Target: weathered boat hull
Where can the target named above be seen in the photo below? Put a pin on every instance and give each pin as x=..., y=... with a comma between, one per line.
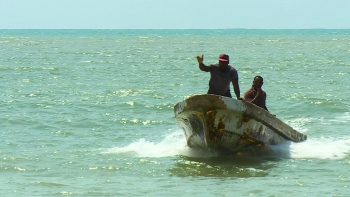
x=228, y=125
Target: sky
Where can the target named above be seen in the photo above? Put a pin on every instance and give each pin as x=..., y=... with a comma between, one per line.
x=174, y=14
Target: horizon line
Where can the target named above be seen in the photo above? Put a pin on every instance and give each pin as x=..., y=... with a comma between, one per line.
x=174, y=28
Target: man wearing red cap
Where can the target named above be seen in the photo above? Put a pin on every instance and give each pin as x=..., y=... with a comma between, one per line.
x=221, y=75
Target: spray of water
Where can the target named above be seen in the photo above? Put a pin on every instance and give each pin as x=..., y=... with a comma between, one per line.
x=174, y=144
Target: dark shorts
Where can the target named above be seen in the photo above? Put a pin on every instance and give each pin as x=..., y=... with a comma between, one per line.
x=227, y=94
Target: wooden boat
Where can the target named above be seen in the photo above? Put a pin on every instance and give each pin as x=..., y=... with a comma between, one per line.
x=224, y=124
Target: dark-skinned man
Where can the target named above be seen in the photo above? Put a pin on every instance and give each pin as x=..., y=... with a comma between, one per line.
x=221, y=75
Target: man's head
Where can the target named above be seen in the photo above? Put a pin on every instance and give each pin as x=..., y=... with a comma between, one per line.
x=223, y=61
x=258, y=82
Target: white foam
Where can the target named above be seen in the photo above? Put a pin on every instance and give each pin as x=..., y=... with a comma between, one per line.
x=175, y=144
x=322, y=148
x=345, y=118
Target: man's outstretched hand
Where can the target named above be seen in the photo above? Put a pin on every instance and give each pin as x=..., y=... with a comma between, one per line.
x=200, y=59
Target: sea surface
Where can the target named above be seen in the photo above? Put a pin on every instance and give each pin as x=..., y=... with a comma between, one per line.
x=90, y=112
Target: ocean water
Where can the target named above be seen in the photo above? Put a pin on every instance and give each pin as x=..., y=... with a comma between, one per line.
x=90, y=112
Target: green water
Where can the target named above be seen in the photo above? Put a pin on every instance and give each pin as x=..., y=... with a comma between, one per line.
x=90, y=112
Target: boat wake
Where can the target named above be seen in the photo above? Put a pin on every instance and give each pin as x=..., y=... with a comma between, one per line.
x=174, y=144
x=321, y=148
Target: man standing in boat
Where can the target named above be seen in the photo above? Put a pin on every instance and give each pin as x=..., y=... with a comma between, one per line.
x=255, y=94
x=221, y=75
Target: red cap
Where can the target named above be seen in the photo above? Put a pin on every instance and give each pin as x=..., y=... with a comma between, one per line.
x=223, y=58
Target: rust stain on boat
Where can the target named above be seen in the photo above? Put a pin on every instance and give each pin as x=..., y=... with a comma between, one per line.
x=213, y=135
x=215, y=132
x=222, y=123
x=221, y=126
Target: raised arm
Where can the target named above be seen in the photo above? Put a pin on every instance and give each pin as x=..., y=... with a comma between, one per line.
x=202, y=66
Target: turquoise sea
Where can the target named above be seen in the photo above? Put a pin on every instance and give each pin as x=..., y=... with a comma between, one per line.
x=90, y=112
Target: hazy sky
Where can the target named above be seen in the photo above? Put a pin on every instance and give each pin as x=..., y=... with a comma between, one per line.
x=174, y=14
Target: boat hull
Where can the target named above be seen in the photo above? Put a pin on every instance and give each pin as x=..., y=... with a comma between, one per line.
x=228, y=125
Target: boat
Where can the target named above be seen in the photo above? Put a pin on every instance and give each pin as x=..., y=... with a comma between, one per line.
x=227, y=125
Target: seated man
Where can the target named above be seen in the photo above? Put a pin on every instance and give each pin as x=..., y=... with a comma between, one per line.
x=255, y=94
